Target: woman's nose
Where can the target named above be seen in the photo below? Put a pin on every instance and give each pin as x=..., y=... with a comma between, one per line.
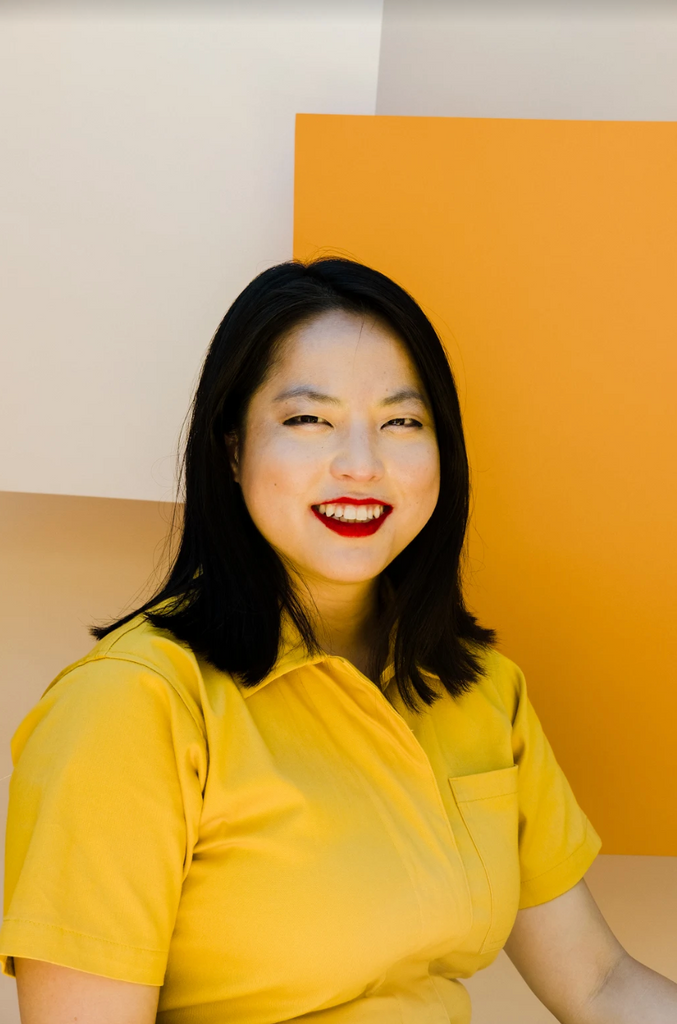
x=357, y=456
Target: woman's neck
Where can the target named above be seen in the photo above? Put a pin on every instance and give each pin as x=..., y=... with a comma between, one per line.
x=344, y=617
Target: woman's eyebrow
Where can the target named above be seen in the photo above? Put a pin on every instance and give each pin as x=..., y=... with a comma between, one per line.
x=404, y=395
x=303, y=391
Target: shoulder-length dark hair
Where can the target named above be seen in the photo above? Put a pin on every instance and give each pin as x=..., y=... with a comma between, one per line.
x=227, y=587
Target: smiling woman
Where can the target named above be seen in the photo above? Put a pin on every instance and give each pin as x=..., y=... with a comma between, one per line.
x=362, y=462
x=300, y=781
x=323, y=382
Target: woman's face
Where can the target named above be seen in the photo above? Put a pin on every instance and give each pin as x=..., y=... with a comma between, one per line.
x=342, y=415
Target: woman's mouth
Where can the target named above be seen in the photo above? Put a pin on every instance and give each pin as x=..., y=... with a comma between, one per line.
x=353, y=518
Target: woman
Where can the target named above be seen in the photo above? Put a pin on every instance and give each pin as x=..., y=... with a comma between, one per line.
x=300, y=781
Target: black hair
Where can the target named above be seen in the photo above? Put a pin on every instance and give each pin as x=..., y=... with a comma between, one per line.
x=227, y=587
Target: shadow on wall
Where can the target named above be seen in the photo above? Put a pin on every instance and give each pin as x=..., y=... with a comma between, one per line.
x=67, y=563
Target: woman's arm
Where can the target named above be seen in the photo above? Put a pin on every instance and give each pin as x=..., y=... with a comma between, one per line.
x=632, y=993
x=572, y=961
x=51, y=994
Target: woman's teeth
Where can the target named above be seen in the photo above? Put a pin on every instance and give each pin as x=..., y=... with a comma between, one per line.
x=352, y=513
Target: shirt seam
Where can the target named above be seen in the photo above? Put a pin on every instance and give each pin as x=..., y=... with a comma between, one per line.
x=84, y=935
x=492, y=898
x=491, y=678
x=489, y=796
x=135, y=660
x=561, y=863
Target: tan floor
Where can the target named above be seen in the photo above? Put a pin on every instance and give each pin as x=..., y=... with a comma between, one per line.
x=67, y=562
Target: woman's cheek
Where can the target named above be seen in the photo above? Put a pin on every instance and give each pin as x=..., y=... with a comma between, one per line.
x=281, y=486
x=420, y=472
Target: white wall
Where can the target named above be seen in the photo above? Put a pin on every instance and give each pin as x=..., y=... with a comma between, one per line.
x=577, y=59
x=147, y=170
x=146, y=159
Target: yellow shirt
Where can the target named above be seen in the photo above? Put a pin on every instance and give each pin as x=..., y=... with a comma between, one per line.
x=308, y=846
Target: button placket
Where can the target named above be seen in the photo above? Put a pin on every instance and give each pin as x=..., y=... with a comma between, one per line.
x=413, y=746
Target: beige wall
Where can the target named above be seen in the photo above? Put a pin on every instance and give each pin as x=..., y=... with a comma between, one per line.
x=580, y=59
x=147, y=176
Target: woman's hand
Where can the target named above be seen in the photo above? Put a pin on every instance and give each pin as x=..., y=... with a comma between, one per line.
x=49, y=993
x=572, y=961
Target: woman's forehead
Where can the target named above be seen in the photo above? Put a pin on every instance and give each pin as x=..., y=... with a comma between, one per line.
x=346, y=347
x=341, y=325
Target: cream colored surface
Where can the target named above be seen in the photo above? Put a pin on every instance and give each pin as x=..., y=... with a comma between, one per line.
x=67, y=561
x=580, y=59
x=147, y=175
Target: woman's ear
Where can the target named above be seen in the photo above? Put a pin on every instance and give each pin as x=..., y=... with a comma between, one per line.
x=233, y=450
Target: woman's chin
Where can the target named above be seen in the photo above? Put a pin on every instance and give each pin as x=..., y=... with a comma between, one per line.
x=341, y=572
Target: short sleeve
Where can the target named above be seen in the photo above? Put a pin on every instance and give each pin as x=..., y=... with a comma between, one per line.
x=104, y=805
x=557, y=843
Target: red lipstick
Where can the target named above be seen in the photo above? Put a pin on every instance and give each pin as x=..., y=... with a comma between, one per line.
x=354, y=529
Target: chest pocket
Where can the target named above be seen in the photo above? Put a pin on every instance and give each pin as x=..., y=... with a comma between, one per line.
x=488, y=841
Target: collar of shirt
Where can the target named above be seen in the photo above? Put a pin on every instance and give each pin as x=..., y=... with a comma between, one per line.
x=292, y=654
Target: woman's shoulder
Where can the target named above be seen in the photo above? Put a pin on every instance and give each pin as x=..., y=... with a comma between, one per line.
x=139, y=641
x=501, y=680
x=135, y=657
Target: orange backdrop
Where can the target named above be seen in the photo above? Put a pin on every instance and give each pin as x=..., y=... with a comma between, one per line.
x=545, y=253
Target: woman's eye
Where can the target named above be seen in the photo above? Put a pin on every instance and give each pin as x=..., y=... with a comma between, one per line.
x=305, y=418
x=408, y=421
x=401, y=419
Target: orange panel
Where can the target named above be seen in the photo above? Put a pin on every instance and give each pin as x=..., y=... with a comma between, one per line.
x=545, y=252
